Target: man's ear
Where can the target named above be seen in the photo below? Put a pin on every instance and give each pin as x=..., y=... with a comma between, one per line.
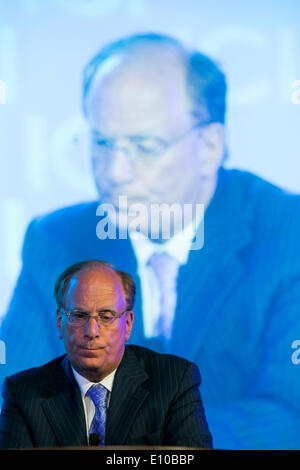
x=129, y=322
x=212, y=148
x=58, y=323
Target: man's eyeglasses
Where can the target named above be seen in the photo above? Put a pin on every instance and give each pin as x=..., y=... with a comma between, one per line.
x=79, y=318
x=145, y=146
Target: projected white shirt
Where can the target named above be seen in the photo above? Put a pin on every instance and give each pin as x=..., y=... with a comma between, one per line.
x=178, y=247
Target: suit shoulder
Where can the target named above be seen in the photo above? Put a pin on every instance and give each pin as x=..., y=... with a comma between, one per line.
x=272, y=215
x=261, y=190
x=148, y=356
x=53, y=231
x=65, y=216
x=167, y=370
x=273, y=211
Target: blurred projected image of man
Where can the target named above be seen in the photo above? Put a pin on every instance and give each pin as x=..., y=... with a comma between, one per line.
x=156, y=112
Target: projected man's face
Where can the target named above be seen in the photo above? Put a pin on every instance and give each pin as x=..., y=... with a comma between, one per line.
x=135, y=110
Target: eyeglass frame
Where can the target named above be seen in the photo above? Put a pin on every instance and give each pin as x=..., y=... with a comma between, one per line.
x=149, y=153
x=87, y=316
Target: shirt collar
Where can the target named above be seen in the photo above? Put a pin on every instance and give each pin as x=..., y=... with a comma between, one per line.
x=84, y=384
x=178, y=246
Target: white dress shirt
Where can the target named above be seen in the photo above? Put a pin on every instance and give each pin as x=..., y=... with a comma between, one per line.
x=88, y=405
x=178, y=247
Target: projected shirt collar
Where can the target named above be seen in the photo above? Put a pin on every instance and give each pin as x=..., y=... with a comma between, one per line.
x=178, y=246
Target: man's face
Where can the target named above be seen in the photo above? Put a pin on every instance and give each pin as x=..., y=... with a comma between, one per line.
x=95, y=351
x=143, y=102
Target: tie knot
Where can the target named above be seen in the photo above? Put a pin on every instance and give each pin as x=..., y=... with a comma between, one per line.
x=98, y=394
x=164, y=266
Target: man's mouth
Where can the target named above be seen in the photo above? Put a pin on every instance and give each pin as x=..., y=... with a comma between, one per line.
x=88, y=352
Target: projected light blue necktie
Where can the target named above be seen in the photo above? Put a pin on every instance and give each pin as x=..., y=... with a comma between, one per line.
x=98, y=394
x=165, y=268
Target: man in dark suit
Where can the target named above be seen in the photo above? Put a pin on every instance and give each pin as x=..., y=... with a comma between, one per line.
x=147, y=398
x=157, y=114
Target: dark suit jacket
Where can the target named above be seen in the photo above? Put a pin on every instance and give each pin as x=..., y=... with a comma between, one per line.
x=155, y=400
x=238, y=307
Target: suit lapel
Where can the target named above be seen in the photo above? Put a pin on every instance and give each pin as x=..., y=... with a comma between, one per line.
x=64, y=408
x=212, y=272
x=130, y=389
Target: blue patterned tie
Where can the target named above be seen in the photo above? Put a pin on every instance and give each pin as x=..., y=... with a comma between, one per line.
x=98, y=394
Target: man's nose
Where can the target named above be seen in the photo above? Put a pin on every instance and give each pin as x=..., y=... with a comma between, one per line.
x=120, y=165
x=91, y=328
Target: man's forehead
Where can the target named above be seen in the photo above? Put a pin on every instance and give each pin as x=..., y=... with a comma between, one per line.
x=100, y=280
x=131, y=95
x=151, y=68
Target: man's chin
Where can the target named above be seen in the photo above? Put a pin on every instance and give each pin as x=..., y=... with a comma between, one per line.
x=132, y=223
x=138, y=217
x=90, y=368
